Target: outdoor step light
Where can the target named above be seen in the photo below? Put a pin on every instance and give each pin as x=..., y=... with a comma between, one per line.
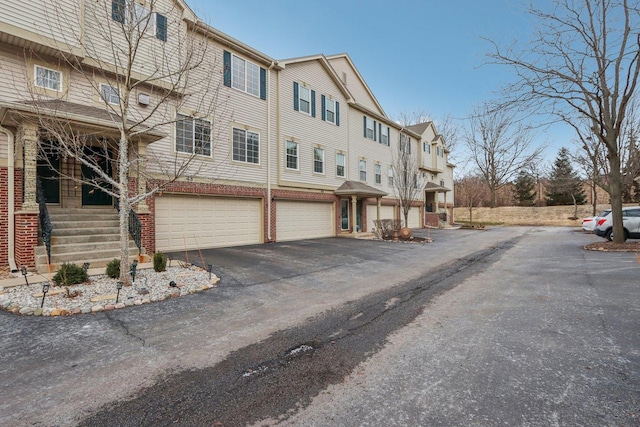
x=24, y=272
x=85, y=266
x=118, y=286
x=134, y=267
x=45, y=289
x=209, y=268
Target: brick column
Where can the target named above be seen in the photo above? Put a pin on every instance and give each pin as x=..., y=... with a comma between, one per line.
x=28, y=138
x=142, y=177
x=26, y=238
x=148, y=232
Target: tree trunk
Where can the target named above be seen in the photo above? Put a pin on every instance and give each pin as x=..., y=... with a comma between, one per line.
x=615, y=187
x=123, y=183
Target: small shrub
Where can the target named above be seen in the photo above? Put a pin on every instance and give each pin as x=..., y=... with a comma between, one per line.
x=386, y=227
x=70, y=274
x=159, y=262
x=113, y=268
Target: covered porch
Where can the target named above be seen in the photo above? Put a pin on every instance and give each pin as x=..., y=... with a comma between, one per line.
x=434, y=214
x=352, y=212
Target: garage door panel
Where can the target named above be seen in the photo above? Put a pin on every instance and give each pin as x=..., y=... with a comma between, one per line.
x=304, y=220
x=414, y=217
x=187, y=222
x=386, y=212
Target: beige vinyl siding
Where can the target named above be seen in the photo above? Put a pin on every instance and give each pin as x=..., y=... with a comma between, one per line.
x=13, y=83
x=354, y=84
x=310, y=132
x=3, y=149
x=43, y=18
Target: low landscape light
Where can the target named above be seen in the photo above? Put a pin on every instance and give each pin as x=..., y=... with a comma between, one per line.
x=134, y=267
x=45, y=289
x=24, y=272
x=118, y=286
x=209, y=268
x=85, y=266
x=173, y=284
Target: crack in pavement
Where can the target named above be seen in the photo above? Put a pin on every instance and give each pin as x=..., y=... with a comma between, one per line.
x=265, y=380
x=123, y=326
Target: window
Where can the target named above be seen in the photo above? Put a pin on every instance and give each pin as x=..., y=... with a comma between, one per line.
x=304, y=99
x=369, y=128
x=330, y=111
x=390, y=176
x=292, y=155
x=378, y=172
x=193, y=136
x=363, y=170
x=318, y=160
x=144, y=20
x=48, y=79
x=426, y=147
x=439, y=151
x=244, y=75
x=109, y=94
x=441, y=183
x=340, y=165
x=246, y=146
x=384, y=135
x=405, y=143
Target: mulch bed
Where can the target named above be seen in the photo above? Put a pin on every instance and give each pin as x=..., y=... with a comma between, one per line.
x=613, y=247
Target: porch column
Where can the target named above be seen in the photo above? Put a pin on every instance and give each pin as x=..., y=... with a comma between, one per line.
x=446, y=211
x=142, y=177
x=378, y=204
x=354, y=213
x=28, y=135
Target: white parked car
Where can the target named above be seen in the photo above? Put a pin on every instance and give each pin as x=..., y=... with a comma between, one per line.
x=589, y=223
x=630, y=222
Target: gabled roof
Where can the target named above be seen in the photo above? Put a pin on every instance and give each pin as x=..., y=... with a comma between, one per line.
x=355, y=70
x=420, y=128
x=432, y=188
x=356, y=188
x=326, y=65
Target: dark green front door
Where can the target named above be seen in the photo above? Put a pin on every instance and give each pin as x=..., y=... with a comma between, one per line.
x=49, y=177
x=92, y=195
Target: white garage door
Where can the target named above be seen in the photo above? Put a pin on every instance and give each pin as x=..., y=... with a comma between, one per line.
x=192, y=222
x=304, y=220
x=414, y=217
x=386, y=212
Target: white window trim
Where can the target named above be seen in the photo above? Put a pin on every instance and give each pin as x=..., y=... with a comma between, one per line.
x=234, y=81
x=362, y=162
x=301, y=89
x=286, y=155
x=314, y=160
x=246, y=132
x=35, y=78
x=114, y=90
x=344, y=165
x=377, y=172
x=179, y=117
x=328, y=101
x=383, y=135
x=390, y=176
x=372, y=128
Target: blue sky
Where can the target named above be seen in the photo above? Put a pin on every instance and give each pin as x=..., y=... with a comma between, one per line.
x=415, y=55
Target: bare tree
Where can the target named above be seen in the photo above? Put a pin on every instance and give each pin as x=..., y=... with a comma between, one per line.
x=449, y=128
x=470, y=192
x=123, y=61
x=583, y=63
x=499, y=147
x=408, y=181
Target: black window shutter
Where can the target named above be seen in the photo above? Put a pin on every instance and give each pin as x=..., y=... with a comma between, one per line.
x=323, y=105
x=161, y=27
x=313, y=103
x=296, y=97
x=227, y=68
x=118, y=10
x=374, y=131
x=337, y=113
x=365, y=126
x=263, y=83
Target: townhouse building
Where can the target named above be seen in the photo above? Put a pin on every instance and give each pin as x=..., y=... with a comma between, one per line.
x=231, y=146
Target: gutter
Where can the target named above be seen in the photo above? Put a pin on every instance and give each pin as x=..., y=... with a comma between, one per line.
x=269, y=152
x=11, y=198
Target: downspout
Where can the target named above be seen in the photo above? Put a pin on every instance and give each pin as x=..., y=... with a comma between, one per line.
x=11, y=197
x=269, y=153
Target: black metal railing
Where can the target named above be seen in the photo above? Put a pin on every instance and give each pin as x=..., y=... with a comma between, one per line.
x=43, y=219
x=135, y=226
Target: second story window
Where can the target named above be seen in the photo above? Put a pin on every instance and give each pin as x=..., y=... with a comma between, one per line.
x=246, y=146
x=405, y=143
x=363, y=170
x=292, y=155
x=48, y=79
x=426, y=147
x=193, y=135
x=330, y=111
x=439, y=151
x=384, y=135
x=244, y=75
x=109, y=94
x=142, y=18
x=378, y=172
x=304, y=99
x=340, y=165
x=390, y=176
x=318, y=160
x=369, y=128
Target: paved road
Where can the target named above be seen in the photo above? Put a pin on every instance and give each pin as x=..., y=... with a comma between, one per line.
x=479, y=329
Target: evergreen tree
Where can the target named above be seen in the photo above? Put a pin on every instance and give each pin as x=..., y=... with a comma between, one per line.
x=524, y=187
x=565, y=186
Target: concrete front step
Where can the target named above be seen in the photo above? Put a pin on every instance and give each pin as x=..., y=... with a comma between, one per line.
x=94, y=263
x=96, y=259
x=81, y=230
x=83, y=217
x=84, y=238
x=62, y=225
x=85, y=247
